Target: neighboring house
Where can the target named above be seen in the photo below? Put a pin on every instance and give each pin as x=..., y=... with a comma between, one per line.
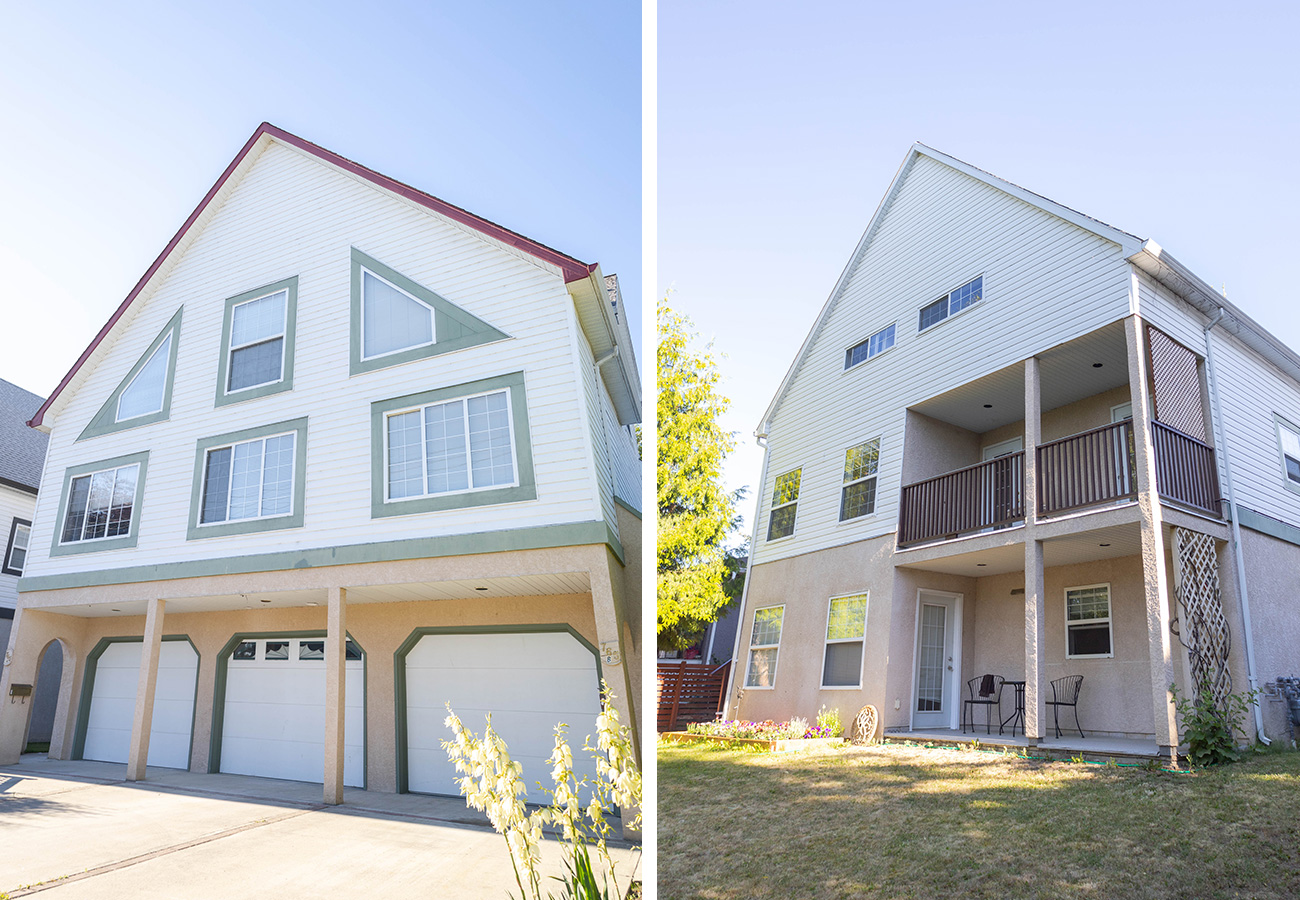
x=336, y=406
x=1019, y=441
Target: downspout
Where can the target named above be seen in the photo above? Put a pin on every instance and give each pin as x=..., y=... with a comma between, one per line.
x=761, y=438
x=1222, y=443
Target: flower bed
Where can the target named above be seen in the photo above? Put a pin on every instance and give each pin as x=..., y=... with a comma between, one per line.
x=792, y=735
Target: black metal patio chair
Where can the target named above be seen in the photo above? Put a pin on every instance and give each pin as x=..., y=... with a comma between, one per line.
x=1065, y=692
x=985, y=691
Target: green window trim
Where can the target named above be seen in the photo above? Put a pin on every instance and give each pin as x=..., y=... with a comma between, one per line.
x=224, y=397
x=88, y=688
x=525, y=487
x=1283, y=428
x=399, y=674
x=294, y=519
x=454, y=328
x=219, y=693
x=95, y=545
x=106, y=422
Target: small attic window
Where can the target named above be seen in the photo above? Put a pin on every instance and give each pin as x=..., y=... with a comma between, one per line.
x=952, y=303
x=144, y=395
x=391, y=319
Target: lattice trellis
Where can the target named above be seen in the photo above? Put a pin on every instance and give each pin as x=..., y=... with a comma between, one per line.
x=1175, y=384
x=1203, y=629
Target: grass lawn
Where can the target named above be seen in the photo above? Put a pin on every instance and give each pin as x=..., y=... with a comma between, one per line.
x=900, y=821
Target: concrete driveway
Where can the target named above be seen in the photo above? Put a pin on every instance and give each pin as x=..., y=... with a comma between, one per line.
x=78, y=830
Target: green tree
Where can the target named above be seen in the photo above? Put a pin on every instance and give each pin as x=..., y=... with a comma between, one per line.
x=695, y=513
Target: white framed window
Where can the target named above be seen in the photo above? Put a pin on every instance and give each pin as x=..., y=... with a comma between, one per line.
x=144, y=395
x=456, y=446
x=785, y=500
x=255, y=356
x=952, y=303
x=249, y=480
x=858, y=497
x=873, y=346
x=100, y=504
x=20, y=538
x=1088, y=622
x=1288, y=441
x=392, y=319
x=764, y=642
x=846, y=631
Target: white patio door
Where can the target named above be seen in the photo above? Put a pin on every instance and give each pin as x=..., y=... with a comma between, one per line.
x=937, y=694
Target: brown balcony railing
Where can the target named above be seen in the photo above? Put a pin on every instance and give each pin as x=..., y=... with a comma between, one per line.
x=1185, y=469
x=982, y=496
x=1087, y=469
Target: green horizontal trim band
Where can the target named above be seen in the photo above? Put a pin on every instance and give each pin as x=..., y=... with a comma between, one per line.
x=574, y=534
x=627, y=505
x=1256, y=521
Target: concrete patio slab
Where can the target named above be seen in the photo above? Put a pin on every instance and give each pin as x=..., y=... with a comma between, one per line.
x=77, y=829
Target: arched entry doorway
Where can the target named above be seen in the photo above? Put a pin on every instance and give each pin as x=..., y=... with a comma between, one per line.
x=45, y=699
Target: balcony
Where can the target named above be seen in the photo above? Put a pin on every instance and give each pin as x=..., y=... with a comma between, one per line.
x=1091, y=469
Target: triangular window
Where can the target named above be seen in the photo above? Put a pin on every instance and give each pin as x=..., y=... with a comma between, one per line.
x=391, y=319
x=144, y=395
x=396, y=320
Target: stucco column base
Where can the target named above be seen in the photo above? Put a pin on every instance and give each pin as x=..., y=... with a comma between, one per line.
x=617, y=656
x=142, y=721
x=335, y=689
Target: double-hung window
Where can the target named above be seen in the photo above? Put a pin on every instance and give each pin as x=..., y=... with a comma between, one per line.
x=453, y=447
x=100, y=505
x=250, y=480
x=952, y=303
x=764, y=642
x=1088, y=622
x=785, y=500
x=1288, y=439
x=20, y=538
x=858, y=498
x=875, y=345
x=846, y=628
x=257, y=343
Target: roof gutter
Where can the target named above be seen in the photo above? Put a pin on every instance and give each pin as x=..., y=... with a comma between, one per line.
x=1221, y=442
x=749, y=572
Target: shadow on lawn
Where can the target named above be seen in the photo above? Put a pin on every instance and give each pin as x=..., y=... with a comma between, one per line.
x=895, y=822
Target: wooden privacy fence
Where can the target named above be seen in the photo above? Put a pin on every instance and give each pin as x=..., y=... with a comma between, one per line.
x=690, y=692
x=981, y=496
x=1087, y=469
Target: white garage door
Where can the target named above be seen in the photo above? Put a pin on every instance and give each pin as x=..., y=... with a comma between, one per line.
x=274, y=720
x=112, y=704
x=528, y=682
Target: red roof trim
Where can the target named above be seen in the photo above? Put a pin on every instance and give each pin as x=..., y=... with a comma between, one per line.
x=572, y=269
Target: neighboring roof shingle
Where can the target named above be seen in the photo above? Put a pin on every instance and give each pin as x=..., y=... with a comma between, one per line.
x=22, y=449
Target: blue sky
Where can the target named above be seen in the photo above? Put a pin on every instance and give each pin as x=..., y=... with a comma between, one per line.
x=779, y=132
x=115, y=119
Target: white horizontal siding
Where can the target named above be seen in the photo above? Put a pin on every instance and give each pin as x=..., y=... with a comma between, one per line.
x=1160, y=307
x=592, y=389
x=623, y=454
x=1046, y=282
x=14, y=504
x=291, y=215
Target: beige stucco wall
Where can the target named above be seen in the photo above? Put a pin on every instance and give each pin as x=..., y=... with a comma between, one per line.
x=932, y=447
x=379, y=628
x=805, y=584
x=1273, y=567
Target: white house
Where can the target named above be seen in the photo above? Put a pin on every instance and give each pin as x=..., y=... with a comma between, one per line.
x=1020, y=442
x=22, y=454
x=346, y=453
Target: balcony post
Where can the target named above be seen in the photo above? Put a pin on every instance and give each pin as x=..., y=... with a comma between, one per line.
x=1035, y=628
x=336, y=681
x=142, y=721
x=1155, y=576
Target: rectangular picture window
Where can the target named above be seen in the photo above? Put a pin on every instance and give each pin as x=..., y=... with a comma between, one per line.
x=951, y=303
x=465, y=444
x=878, y=343
x=764, y=642
x=785, y=500
x=1088, y=621
x=249, y=480
x=846, y=625
x=100, y=504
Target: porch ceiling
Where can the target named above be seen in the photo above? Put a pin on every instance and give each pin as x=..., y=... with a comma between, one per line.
x=1067, y=550
x=1067, y=374
x=515, y=586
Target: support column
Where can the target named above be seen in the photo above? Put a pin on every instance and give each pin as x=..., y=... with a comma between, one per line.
x=142, y=722
x=1035, y=613
x=1155, y=577
x=336, y=637
x=616, y=657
